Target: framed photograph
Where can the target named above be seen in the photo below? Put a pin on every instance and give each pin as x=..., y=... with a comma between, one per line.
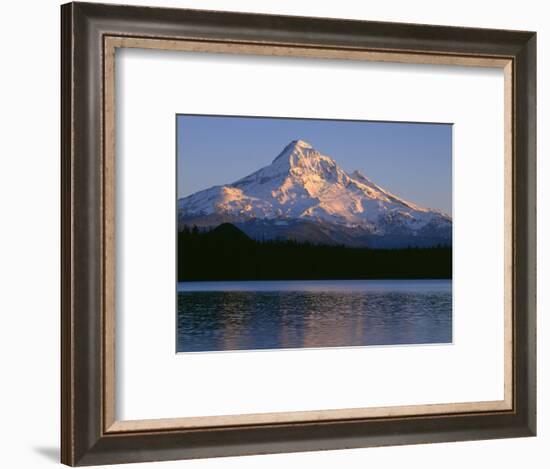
x=293, y=234
x=302, y=253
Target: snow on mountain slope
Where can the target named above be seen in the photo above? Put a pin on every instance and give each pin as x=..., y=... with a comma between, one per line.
x=302, y=184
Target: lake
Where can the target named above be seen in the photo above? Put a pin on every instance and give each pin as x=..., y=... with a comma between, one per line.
x=224, y=316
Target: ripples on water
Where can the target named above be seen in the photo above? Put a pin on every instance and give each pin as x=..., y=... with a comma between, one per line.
x=271, y=315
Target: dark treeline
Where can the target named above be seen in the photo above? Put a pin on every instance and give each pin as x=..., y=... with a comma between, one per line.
x=226, y=253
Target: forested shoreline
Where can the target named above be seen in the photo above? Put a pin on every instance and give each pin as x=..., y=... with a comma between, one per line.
x=226, y=253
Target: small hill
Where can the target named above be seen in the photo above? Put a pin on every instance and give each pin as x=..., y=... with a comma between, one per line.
x=227, y=232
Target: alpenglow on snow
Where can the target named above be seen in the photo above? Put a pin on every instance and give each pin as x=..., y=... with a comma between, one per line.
x=304, y=195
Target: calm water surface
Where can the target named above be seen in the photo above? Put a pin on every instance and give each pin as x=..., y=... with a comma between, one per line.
x=216, y=316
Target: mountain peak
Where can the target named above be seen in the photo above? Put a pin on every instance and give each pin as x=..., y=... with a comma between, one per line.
x=300, y=143
x=296, y=151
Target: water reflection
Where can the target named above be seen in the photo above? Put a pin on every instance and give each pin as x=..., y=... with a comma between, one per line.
x=295, y=316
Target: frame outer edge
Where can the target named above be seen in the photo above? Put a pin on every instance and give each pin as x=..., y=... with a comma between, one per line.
x=532, y=184
x=527, y=115
x=313, y=31
x=81, y=232
x=67, y=418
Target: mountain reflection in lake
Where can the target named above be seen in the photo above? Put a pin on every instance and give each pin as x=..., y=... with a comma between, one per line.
x=223, y=316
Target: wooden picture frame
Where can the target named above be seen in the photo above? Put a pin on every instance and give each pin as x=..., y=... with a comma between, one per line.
x=90, y=35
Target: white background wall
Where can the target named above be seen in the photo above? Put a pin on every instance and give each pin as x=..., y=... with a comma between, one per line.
x=29, y=233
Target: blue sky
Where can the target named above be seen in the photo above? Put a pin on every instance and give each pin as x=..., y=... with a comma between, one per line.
x=412, y=160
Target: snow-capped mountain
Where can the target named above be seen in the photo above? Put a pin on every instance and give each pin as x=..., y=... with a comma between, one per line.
x=305, y=195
